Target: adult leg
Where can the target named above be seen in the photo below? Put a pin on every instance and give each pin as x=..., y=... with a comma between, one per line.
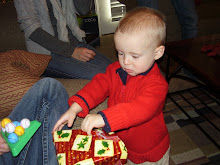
x=148, y=3
x=186, y=13
x=63, y=67
x=45, y=102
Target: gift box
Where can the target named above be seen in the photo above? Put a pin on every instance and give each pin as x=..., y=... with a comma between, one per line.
x=76, y=147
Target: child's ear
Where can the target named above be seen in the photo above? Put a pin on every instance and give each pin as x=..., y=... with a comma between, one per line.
x=159, y=51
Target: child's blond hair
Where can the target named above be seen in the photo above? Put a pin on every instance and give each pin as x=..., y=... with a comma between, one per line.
x=143, y=18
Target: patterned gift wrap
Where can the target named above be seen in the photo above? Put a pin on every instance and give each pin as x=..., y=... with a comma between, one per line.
x=76, y=147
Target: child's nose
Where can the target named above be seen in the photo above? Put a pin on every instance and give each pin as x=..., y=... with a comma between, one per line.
x=126, y=60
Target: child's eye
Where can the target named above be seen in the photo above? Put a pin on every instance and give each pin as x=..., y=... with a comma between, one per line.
x=120, y=54
x=135, y=56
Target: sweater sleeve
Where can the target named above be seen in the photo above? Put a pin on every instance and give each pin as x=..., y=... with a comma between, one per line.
x=95, y=92
x=51, y=43
x=28, y=19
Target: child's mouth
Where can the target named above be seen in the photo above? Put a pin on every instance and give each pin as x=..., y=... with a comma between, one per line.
x=128, y=70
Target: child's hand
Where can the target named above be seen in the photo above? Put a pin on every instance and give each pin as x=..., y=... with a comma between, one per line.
x=68, y=117
x=92, y=121
x=4, y=148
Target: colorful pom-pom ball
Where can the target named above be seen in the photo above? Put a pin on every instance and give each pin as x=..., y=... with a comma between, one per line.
x=12, y=138
x=10, y=128
x=3, y=130
x=19, y=130
x=25, y=123
x=16, y=123
x=5, y=121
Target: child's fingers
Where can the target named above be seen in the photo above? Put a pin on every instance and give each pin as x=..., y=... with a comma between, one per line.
x=70, y=122
x=59, y=125
x=87, y=125
x=62, y=125
x=84, y=125
x=89, y=129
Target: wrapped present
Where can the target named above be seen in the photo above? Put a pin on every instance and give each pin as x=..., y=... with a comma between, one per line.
x=76, y=147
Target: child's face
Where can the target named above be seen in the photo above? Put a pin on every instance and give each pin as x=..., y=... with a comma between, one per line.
x=136, y=52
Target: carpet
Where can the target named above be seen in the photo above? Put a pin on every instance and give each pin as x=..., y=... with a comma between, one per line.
x=189, y=144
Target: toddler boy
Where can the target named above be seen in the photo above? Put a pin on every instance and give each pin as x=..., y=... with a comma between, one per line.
x=135, y=88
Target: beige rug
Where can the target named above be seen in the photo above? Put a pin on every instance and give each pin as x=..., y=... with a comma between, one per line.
x=188, y=144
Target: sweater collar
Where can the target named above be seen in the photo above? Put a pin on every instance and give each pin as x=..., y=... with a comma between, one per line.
x=124, y=75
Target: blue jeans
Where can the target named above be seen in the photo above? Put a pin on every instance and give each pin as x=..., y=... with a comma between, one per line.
x=45, y=102
x=148, y=3
x=187, y=16
x=185, y=11
x=63, y=67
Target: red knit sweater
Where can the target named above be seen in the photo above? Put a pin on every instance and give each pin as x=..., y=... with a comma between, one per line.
x=134, y=109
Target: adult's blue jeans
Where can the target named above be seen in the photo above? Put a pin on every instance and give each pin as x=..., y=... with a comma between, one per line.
x=185, y=11
x=148, y=3
x=45, y=102
x=63, y=67
x=187, y=16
